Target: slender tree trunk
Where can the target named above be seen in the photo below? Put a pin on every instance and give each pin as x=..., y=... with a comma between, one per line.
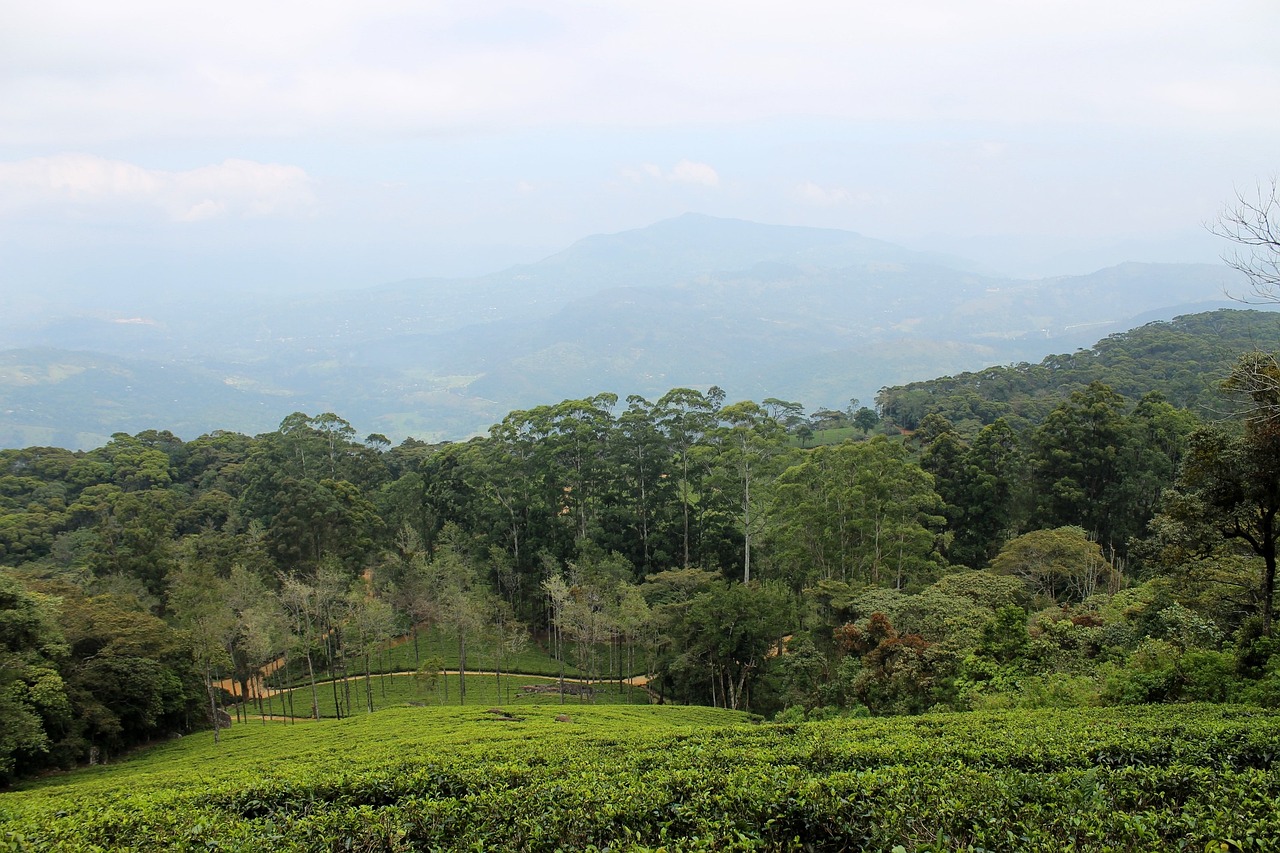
x=340, y=660
x=644, y=513
x=1269, y=578
x=246, y=693
x=213, y=703
x=738, y=704
x=333, y=681
x=684, y=500
x=315, y=693
x=462, y=668
x=631, y=661
x=746, y=519
x=560, y=655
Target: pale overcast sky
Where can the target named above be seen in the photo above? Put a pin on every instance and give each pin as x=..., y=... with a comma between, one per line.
x=289, y=145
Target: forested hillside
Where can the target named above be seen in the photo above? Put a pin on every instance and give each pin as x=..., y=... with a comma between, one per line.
x=1112, y=547
x=1183, y=359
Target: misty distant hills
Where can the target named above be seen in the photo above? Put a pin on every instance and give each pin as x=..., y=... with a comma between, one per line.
x=813, y=315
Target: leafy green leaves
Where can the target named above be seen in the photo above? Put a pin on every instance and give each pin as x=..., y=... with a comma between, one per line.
x=1132, y=779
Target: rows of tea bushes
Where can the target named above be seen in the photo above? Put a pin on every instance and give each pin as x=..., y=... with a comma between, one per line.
x=646, y=778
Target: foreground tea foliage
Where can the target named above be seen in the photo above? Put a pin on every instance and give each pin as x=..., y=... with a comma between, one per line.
x=642, y=778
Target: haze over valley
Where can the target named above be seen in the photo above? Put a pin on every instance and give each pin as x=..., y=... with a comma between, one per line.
x=807, y=314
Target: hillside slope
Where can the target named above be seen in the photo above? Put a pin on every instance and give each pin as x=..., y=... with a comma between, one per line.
x=1185, y=359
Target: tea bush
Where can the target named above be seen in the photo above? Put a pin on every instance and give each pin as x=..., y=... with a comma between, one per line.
x=674, y=778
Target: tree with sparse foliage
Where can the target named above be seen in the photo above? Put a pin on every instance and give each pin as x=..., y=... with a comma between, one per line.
x=1252, y=223
x=201, y=601
x=1062, y=565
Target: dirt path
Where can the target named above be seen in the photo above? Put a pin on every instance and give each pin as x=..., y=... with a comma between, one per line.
x=257, y=686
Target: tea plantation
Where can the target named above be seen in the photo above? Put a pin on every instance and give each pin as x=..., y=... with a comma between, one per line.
x=1191, y=777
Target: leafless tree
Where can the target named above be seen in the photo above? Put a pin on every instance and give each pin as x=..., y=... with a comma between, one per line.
x=1255, y=381
x=1252, y=223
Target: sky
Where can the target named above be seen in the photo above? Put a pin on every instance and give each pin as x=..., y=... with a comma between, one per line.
x=165, y=149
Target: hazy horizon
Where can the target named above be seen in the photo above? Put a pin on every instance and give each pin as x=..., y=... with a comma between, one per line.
x=153, y=149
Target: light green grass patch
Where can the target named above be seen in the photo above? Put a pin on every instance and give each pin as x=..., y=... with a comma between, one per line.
x=388, y=691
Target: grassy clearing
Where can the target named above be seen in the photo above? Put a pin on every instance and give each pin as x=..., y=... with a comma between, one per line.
x=401, y=656
x=388, y=691
x=648, y=778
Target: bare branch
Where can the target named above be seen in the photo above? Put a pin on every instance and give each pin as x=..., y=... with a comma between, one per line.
x=1252, y=223
x=1255, y=380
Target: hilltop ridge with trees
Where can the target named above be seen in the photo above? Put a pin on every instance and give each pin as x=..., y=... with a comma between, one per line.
x=1184, y=359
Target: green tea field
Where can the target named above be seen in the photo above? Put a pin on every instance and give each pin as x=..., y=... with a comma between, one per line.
x=618, y=777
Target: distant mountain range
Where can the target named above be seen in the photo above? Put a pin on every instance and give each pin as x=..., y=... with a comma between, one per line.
x=812, y=315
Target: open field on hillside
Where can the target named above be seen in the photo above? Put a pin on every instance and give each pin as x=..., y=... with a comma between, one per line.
x=402, y=655
x=483, y=689
x=643, y=778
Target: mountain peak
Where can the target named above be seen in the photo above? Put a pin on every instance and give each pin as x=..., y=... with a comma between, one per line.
x=694, y=244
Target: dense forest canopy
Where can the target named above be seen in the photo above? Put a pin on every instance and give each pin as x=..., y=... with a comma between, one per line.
x=1068, y=533
x=1183, y=359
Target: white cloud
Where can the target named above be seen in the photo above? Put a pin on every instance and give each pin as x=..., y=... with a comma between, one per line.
x=991, y=149
x=207, y=209
x=689, y=172
x=812, y=193
x=684, y=172
x=80, y=72
x=236, y=188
